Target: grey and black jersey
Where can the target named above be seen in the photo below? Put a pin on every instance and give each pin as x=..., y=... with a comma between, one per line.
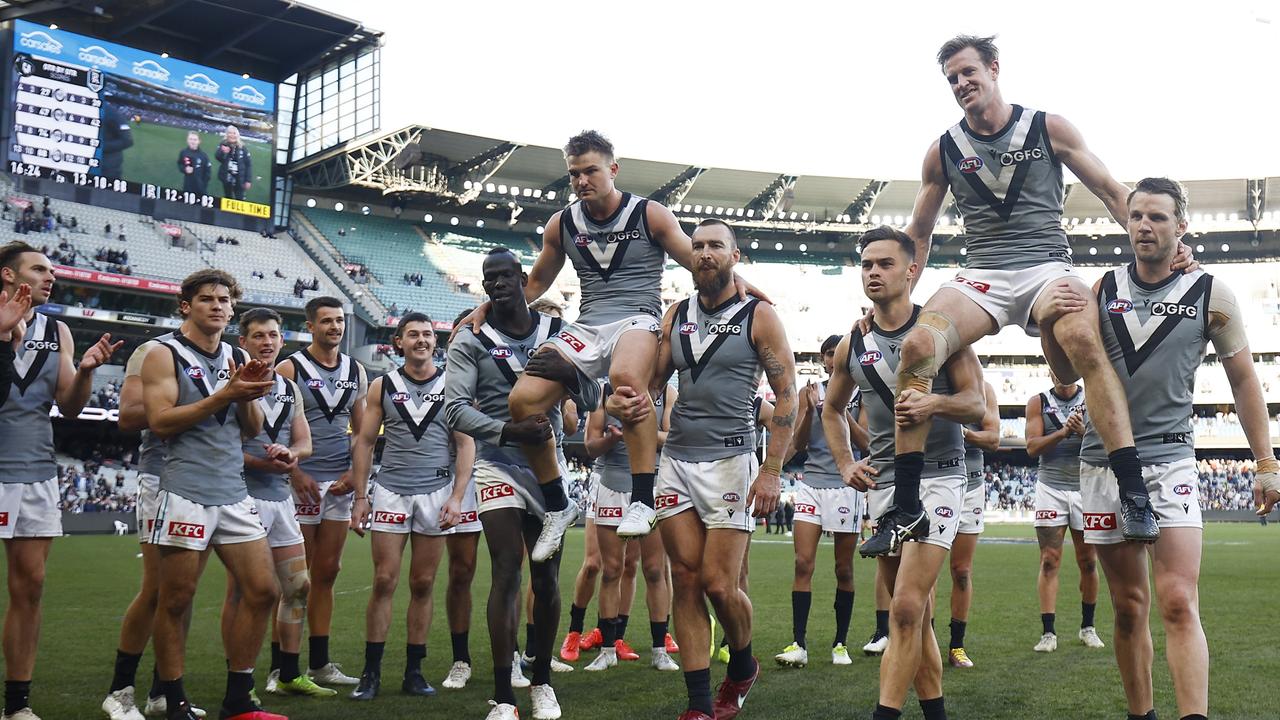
x=1156, y=336
x=1008, y=189
x=328, y=395
x=820, y=469
x=278, y=407
x=1060, y=467
x=618, y=262
x=24, y=416
x=205, y=463
x=714, y=416
x=873, y=364
x=614, y=466
x=150, y=447
x=973, y=462
x=417, y=456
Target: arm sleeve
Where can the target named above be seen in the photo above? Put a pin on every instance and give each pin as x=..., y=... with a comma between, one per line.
x=134, y=366
x=460, y=412
x=6, y=369
x=1226, y=326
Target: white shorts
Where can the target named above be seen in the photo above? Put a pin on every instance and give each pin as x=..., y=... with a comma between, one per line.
x=396, y=513
x=1055, y=508
x=610, y=504
x=1175, y=498
x=837, y=510
x=716, y=490
x=331, y=507
x=589, y=512
x=499, y=485
x=590, y=347
x=972, y=519
x=30, y=510
x=186, y=524
x=943, y=500
x=279, y=521
x=1009, y=295
x=148, y=495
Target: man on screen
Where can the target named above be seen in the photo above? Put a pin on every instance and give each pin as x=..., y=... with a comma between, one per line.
x=117, y=136
x=194, y=165
x=236, y=168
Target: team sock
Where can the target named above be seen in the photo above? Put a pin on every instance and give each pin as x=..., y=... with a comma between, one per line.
x=461, y=647
x=157, y=688
x=608, y=633
x=907, y=468
x=275, y=656
x=884, y=712
x=528, y=639
x=126, y=670
x=373, y=657
x=800, y=602
x=621, y=634
x=741, y=664
x=577, y=617
x=17, y=695
x=1086, y=614
x=844, y=611
x=319, y=655
x=882, y=623
x=600, y=622
x=1195, y=716
x=1151, y=715
x=1128, y=470
x=658, y=634
x=642, y=489
x=957, y=633
x=174, y=694
x=698, y=683
x=553, y=495
x=502, y=692
x=413, y=654
x=541, y=669
x=289, y=666
x=1047, y=620
x=239, y=685
x=934, y=709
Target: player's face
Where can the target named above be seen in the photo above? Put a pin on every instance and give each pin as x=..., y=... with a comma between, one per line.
x=417, y=341
x=714, y=255
x=503, y=280
x=262, y=341
x=1154, y=228
x=886, y=271
x=972, y=81
x=591, y=175
x=33, y=269
x=328, y=326
x=210, y=308
x=829, y=360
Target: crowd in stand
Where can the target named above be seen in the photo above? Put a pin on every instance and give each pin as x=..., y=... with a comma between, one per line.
x=106, y=397
x=117, y=261
x=92, y=489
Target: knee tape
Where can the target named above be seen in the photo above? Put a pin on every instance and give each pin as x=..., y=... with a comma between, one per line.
x=293, y=577
x=946, y=340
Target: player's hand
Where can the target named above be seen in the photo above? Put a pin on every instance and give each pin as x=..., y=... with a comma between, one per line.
x=256, y=371
x=745, y=288
x=99, y=353
x=14, y=309
x=1062, y=300
x=188, y=169
x=549, y=364
x=914, y=407
x=860, y=476
x=810, y=395
x=305, y=488
x=762, y=498
x=532, y=430
x=341, y=486
x=1266, y=486
x=612, y=435
x=475, y=319
x=863, y=324
x=1184, y=260
x=1075, y=424
x=241, y=389
x=451, y=513
x=628, y=405
x=360, y=512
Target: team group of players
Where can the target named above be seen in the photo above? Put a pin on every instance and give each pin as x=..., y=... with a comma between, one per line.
x=268, y=461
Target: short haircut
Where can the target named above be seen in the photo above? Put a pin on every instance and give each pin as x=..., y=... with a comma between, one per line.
x=1163, y=186
x=884, y=232
x=589, y=141
x=461, y=315
x=10, y=252
x=256, y=315
x=209, y=276
x=324, y=301
x=411, y=317
x=716, y=222
x=830, y=343
x=986, y=47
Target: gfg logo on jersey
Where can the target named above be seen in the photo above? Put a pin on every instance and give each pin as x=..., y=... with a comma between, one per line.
x=400, y=398
x=248, y=94
x=40, y=40
x=1046, y=514
x=1099, y=521
x=151, y=70
x=389, y=518
x=621, y=235
x=186, y=530
x=200, y=82
x=724, y=329
x=1017, y=156
x=1119, y=306
x=688, y=328
x=315, y=384
x=731, y=497
x=1182, y=489
x=582, y=239
x=284, y=398
x=662, y=502
x=195, y=373
x=806, y=509
x=870, y=357
x=502, y=352
x=431, y=397
x=971, y=164
x=50, y=345
x=493, y=492
x=98, y=55
x=943, y=511
x=609, y=512
x=346, y=384
x=573, y=342
x=1168, y=309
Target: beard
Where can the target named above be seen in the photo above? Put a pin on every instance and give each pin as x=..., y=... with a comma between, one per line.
x=710, y=282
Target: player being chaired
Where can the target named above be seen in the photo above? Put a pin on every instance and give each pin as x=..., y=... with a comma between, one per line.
x=1003, y=165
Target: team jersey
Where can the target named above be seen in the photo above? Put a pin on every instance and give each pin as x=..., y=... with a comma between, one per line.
x=1060, y=467
x=150, y=447
x=416, y=457
x=614, y=466
x=278, y=407
x=820, y=469
x=618, y=262
x=24, y=416
x=1008, y=189
x=973, y=463
x=328, y=395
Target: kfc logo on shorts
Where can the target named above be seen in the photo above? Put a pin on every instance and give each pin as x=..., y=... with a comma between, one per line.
x=195, y=373
x=806, y=509
x=1046, y=514
x=306, y=510
x=573, y=342
x=468, y=517
x=870, y=357
x=1119, y=306
x=186, y=530
x=943, y=511
x=582, y=239
x=400, y=397
x=4, y=519
x=608, y=512
x=969, y=165
x=389, y=518
x=981, y=287
x=502, y=352
x=665, y=501
x=493, y=492
x=1099, y=521
x=731, y=497
x=315, y=384
x=688, y=328
x=1182, y=489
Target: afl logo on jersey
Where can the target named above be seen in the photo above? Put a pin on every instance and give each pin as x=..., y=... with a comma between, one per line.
x=195, y=373
x=315, y=384
x=1119, y=306
x=870, y=357
x=1017, y=156
x=502, y=352
x=582, y=239
x=971, y=164
x=400, y=397
x=688, y=328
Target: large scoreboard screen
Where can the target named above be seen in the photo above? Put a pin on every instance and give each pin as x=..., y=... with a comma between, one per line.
x=95, y=114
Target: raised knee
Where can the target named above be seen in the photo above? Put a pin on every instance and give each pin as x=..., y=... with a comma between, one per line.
x=917, y=346
x=1080, y=341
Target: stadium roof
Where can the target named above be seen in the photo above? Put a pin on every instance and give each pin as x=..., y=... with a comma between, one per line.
x=269, y=39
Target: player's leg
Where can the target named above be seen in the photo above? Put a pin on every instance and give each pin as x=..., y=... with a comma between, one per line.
x=962, y=551
x=503, y=536
x=886, y=575
x=684, y=536
x=26, y=558
x=846, y=545
x=805, y=541
x=612, y=549
x=291, y=574
x=461, y=548
x=657, y=595
x=546, y=621
x=135, y=626
x=1177, y=578
x=632, y=366
x=1087, y=563
x=250, y=564
x=424, y=562
x=537, y=396
x=626, y=598
x=388, y=555
x=928, y=679
x=179, y=572
x=324, y=560
x=720, y=574
x=1125, y=566
x=584, y=586
x=1050, y=541
x=908, y=614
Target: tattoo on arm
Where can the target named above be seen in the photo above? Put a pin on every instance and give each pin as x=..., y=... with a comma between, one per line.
x=784, y=387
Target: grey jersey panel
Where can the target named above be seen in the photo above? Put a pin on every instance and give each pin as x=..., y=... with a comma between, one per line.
x=1156, y=337
x=416, y=458
x=1008, y=189
x=873, y=364
x=24, y=417
x=278, y=407
x=1060, y=467
x=974, y=462
x=820, y=469
x=615, y=466
x=328, y=394
x=151, y=448
x=205, y=463
x=618, y=263
x=714, y=416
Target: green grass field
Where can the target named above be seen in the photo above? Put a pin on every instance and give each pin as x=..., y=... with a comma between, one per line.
x=92, y=579
x=154, y=157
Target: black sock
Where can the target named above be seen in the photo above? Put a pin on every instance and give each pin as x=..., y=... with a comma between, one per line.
x=17, y=695
x=621, y=634
x=934, y=709
x=461, y=647
x=289, y=666
x=1195, y=716
x=844, y=611
x=528, y=639
x=1047, y=619
x=173, y=692
x=741, y=664
x=882, y=623
x=642, y=488
x=957, y=633
x=541, y=670
x=275, y=656
x=698, y=683
x=239, y=685
x=413, y=655
x=658, y=634
x=156, y=689
x=373, y=657
x=1128, y=470
x=884, y=712
x=577, y=617
x=600, y=623
x=1086, y=614
x=907, y=468
x=319, y=655
x=800, y=602
x=608, y=632
x=1150, y=715
x=126, y=670
x=553, y=495
x=502, y=692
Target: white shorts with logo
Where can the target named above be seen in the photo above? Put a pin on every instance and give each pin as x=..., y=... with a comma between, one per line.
x=1175, y=498
x=1055, y=508
x=610, y=504
x=943, y=500
x=716, y=490
x=499, y=485
x=837, y=510
x=396, y=513
x=330, y=507
x=186, y=524
x=1009, y=295
x=590, y=347
x=279, y=521
x=148, y=496
x=589, y=512
x=30, y=510
x=973, y=511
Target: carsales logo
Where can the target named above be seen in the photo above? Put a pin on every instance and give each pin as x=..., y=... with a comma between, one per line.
x=40, y=40
x=665, y=501
x=971, y=164
x=98, y=55
x=493, y=492
x=248, y=94
x=201, y=82
x=688, y=328
x=186, y=530
x=870, y=357
x=609, y=512
x=151, y=70
x=806, y=509
x=389, y=518
x=1099, y=521
x=1182, y=489
x=1046, y=514
x=1119, y=306
x=573, y=342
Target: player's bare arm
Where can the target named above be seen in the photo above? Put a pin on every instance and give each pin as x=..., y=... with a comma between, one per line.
x=835, y=424
x=76, y=383
x=775, y=356
x=343, y=486
x=464, y=451
x=160, y=395
x=600, y=437
x=928, y=203
x=988, y=437
x=366, y=436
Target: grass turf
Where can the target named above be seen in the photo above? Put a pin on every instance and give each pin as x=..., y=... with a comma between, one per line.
x=92, y=579
x=153, y=158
